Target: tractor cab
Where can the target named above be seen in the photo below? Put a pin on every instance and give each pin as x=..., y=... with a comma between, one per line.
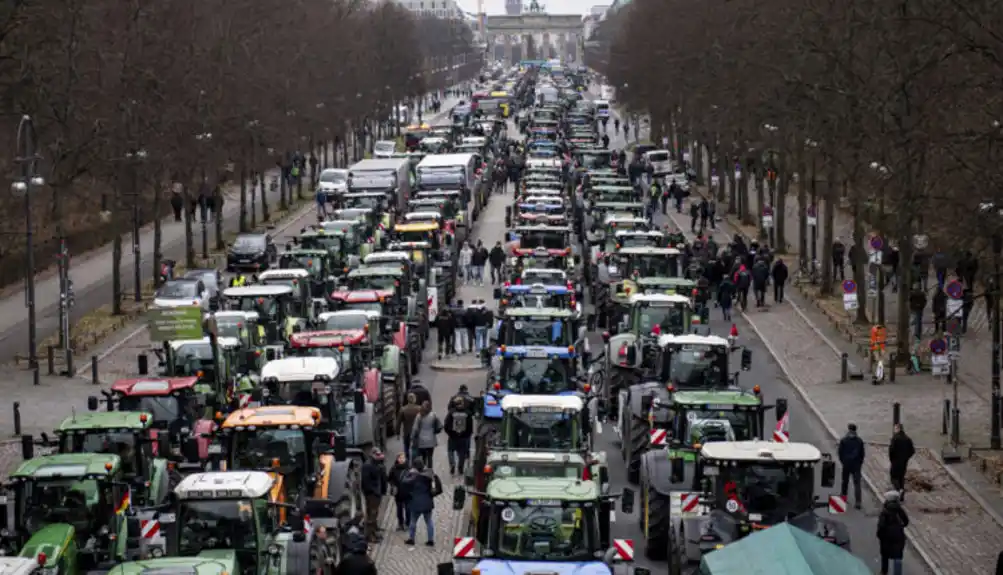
x=383, y=278
x=342, y=249
x=370, y=218
x=243, y=327
x=378, y=202
x=539, y=327
x=387, y=330
x=319, y=264
x=416, y=275
x=302, y=303
x=529, y=370
x=419, y=231
x=425, y=263
x=358, y=301
x=537, y=296
x=275, y=306
x=548, y=210
x=657, y=314
x=690, y=361
x=211, y=360
x=356, y=235
x=543, y=236
x=544, y=258
x=644, y=262
x=66, y=510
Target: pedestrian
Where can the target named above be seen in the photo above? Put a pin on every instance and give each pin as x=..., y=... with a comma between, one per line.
x=484, y=318
x=458, y=342
x=479, y=259
x=704, y=214
x=694, y=216
x=851, y=457
x=374, y=487
x=779, y=274
x=423, y=434
x=917, y=303
x=470, y=316
x=422, y=486
x=445, y=325
x=939, y=308
x=838, y=259
x=760, y=281
x=409, y=413
x=355, y=559
x=743, y=281
x=459, y=426
x=497, y=258
x=466, y=263
x=940, y=264
x=321, y=198
x=712, y=213
x=725, y=293
x=891, y=533
x=397, y=473
x=891, y=260
x=900, y=451
x=177, y=204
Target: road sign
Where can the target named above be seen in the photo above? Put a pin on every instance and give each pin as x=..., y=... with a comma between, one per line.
x=850, y=302
x=877, y=243
x=849, y=286
x=767, y=217
x=954, y=347
x=665, y=140
x=812, y=215
x=938, y=346
x=872, y=284
x=953, y=325
x=954, y=289
x=166, y=324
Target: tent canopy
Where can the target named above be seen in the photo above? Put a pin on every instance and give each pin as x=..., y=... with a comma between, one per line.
x=782, y=550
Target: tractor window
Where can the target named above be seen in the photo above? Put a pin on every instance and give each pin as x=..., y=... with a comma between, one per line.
x=542, y=430
x=670, y=319
x=538, y=469
x=216, y=524
x=293, y=283
x=539, y=332
x=544, y=276
x=544, y=533
x=654, y=265
x=346, y=321
x=359, y=306
x=165, y=409
x=294, y=392
x=231, y=327
x=374, y=282
x=536, y=376
x=121, y=443
x=265, y=306
x=772, y=490
x=707, y=426
x=698, y=366
x=259, y=448
x=64, y=501
x=549, y=240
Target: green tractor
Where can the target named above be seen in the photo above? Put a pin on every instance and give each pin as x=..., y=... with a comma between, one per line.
x=68, y=511
x=227, y=523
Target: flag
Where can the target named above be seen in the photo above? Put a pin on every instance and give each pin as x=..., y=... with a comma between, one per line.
x=124, y=503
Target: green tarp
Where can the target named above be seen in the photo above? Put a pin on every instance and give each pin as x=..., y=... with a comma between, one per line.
x=782, y=550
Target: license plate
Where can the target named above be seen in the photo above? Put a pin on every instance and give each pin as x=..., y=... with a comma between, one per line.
x=245, y=261
x=536, y=353
x=215, y=449
x=166, y=518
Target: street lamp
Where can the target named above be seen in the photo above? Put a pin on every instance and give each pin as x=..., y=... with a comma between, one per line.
x=134, y=159
x=27, y=157
x=813, y=145
x=990, y=209
x=204, y=139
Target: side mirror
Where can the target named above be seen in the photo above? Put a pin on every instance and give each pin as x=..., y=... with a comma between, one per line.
x=619, y=288
x=359, y=402
x=459, y=497
x=627, y=500
x=27, y=447
x=92, y=403
x=746, y=359
x=678, y=469
x=828, y=473
x=497, y=293
x=631, y=354
x=163, y=444
x=781, y=408
x=190, y=450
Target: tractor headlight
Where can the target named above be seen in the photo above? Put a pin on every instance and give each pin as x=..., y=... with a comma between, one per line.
x=274, y=549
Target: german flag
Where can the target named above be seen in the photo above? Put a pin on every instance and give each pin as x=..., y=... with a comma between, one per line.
x=123, y=505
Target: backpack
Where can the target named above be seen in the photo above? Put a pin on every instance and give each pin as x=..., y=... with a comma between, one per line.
x=436, y=486
x=461, y=420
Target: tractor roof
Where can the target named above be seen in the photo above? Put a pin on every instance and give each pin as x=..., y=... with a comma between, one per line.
x=201, y=565
x=273, y=416
x=361, y=296
x=763, y=451
x=297, y=369
x=131, y=420
x=542, y=312
x=692, y=339
x=260, y=290
x=284, y=274
x=648, y=251
x=504, y=457
x=225, y=485
x=659, y=299
x=543, y=402
x=378, y=270
x=327, y=339
x=720, y=400
x=69, y=465
x=549, y=489
x=145, y=386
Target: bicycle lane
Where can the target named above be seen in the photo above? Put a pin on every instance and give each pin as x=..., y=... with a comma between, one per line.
x=949, y=529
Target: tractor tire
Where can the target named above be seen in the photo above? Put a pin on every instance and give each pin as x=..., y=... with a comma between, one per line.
x=414, y=361
x=635, y=441
x=675, y=550
x=349, y=503
x=657, y=524
x=390, y=399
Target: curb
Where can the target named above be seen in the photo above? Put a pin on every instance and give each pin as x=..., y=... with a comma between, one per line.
x=817, y=413
x=456, y=368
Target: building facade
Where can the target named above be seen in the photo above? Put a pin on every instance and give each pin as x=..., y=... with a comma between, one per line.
x=513, y=7
x=446, y=9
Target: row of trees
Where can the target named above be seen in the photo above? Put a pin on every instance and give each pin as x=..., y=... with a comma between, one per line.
x=132, y=100
x=892, y=106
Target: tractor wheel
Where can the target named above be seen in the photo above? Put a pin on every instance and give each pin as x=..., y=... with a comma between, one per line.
x=413, y=360
x=637, y=436
x=391, y=406
x=675, y=550
x=349, y=504
x=657, y=524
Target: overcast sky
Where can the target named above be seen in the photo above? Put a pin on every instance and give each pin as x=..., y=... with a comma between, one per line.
x=551, y=6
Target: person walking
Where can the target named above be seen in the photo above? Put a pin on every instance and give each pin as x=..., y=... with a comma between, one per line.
x=704, y=214
x=900, y=451
x=851, y=457
x=355, y=560
x=421, y=486
x=481, y=326
x=396, y=477
x=470, y=316
x=838, y=259
x=743, y=281
x=459, y=340
x=725, y=294
x=374, y=487
x=892, y=522
x=760, y=280
x=423, y=435
x=694, y=216
x=779, y=274
x=497, y=258
x=459, y=427
x=477, y=261
x=712, y=213
x=466, y=263
x=409, y=413
x=445, y=326
x=917, y=303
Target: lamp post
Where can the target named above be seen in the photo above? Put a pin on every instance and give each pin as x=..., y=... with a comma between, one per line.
x=204, y=139
x=134, y=159
x=27, y=157
x=994, y=292
x=813, y=145
x=771, y=177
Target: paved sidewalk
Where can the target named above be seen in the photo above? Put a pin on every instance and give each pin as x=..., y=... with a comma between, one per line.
x=949, y=526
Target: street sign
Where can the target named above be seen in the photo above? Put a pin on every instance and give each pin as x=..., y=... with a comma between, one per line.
x=877, y=243
x=166, y=324
x=849, y=286
x=872, y=284
x=767, y=217
x=953, y=324
x=954, y=347
x=665, y=141
x=850, y=302
x=812, y=215
x=938, y=346
x=954, y=289
x=940, y=364
x=954, y=310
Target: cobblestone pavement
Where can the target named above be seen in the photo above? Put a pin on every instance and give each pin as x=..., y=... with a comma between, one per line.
x=392, y=556
x=806, y=356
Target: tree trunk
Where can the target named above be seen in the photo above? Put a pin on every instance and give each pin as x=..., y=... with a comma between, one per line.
x=116, y=268
x=283, y=188
x=830, y=206
x=760, y=174
x=218, y=208
x=265, y=215
x=189, y=237
x=243, y=199
x=780, y=208
x=860, y=265
x=802, y=207
x=157, y=232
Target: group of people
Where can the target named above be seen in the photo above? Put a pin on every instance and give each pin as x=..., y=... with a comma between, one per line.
x=463, y=329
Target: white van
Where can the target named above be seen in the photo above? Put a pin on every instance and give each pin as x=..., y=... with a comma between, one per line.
x=451, y=172
x=660, y=161
x=603, y=109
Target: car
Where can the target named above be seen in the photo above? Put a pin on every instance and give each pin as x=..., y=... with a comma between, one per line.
x=213, y=281
x=251, y=252
x=333, y=181
x=384, y=149
x=182, y=293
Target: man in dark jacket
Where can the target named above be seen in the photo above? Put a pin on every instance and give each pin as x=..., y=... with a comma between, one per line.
x=355, y=560
x=891, y=533
x=779, y=275
x=420, y=486
x=917, y=303
x=694, y=216
x=743, y=281
x=760, y=279
x=939, y=308
x=838, y=259
x=497, y=258
x=374, y=487
x=851, y=457
x=445, y=327
x=900, y=451
x=725, y=292
x=704, y=214
x=459, y=426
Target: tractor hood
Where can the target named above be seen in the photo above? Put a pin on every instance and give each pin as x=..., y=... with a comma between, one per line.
x=215, y=562
x=493, y=400
x=51, y=540
x=496, y=567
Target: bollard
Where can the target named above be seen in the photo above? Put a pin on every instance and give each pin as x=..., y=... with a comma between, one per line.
x=94, y=370
x=17, y=418
x=945, y=417
x=955, y=426
x=844, y=368
x=144, y=364
x=896, y=413
x=892, y=362
x=50, y=352
x=70, y=372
